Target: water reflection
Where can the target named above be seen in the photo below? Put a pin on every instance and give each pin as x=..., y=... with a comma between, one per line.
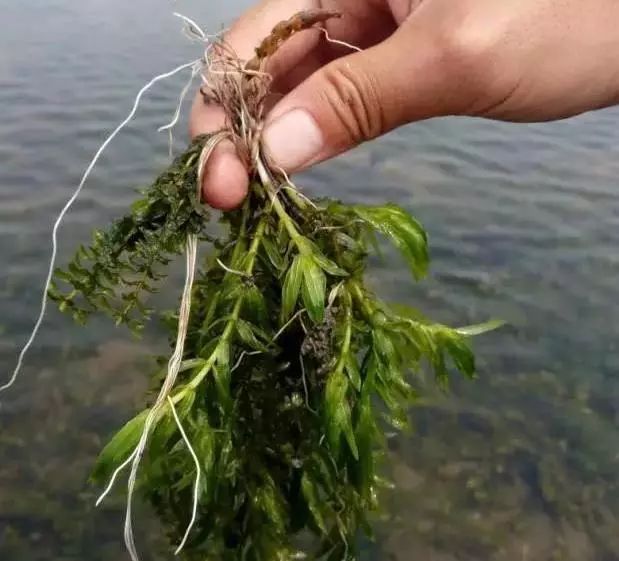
x=520, y=465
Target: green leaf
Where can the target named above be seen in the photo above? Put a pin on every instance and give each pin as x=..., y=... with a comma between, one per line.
x=206, y=443
x=255, y=305
x=246, y=333
x=54, y=294
x=119, y=448
x=344, y=420
x=271, y=503
x=310, y=249
x=314, y=289
x=322, y=468
x=398, y=419
x=221, y=373
x=209, y=348
x=232, y=291
x=314, y=503
x=404, y=232
x=461, y=354
x=78, y=272
x=223, y=354
x=164, y=430
x=480, y=328
x=365, y=432
x=327, y=265
x=352, y=369
x=335, y=394
x=338, y=413
x=239, y=256
x=273, y=254
x=222, y=382
x=335, y=293
x=348, y=243
x=440, y=369
x=140, y=207
x=63, y=276
x=385, y=348
x=292, y=287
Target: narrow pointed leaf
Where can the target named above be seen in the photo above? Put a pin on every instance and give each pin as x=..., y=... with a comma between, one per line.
x=248, y=336
x=256, y=306
x=480, y=328
x=119, y=448
x=352, y=369
x=404, y=232
x=292, y=287
x=310, y=493
x=328, y=266
x=314, y=289
x=273, y=254
x=461, y=354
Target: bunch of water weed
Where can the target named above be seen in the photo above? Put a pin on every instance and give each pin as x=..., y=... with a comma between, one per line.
x=268, y=423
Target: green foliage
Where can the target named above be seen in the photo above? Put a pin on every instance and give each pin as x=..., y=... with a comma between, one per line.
x=292, y=369
x=119, y=448
x=123, y=263
x=403, y=230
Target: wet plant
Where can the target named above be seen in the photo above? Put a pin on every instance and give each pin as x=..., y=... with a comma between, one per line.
x=265, y=438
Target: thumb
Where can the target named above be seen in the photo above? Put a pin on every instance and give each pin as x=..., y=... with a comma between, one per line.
x=356, y=98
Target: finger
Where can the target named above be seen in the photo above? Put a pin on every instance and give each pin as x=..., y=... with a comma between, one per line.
x=363, y=24
x=225, y=182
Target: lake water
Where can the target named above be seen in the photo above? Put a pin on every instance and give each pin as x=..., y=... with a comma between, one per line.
x=521, y=465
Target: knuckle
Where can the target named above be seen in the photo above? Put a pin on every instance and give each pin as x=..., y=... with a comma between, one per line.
x=467, y=54
x=353, y=98
x=469, y=45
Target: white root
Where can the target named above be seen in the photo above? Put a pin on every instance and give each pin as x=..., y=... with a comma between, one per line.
x=290, y=185
x=195, y=31
x=174, y=365
x=249, y=133
x=338, y=42
x=175, y=361
x=173, y=370
x=229, y=270
x=196, y=69
x=241, y=357
x=196, y=489
x=65, y=209
x=115, y=475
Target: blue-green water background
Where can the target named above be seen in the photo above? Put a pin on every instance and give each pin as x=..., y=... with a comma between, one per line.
x=524, y=224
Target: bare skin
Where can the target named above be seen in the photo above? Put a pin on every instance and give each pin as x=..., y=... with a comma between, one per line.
x=513, y=60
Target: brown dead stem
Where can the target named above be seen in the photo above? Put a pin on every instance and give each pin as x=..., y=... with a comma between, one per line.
x=286, y=29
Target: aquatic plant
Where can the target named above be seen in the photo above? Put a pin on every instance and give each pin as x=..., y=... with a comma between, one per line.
x=267, y=428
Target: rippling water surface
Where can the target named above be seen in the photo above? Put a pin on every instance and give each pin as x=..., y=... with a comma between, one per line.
x=521, y=465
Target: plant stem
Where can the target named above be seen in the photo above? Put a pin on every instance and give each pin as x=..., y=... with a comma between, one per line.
x=267, y=182
x=235, y=254
x=357, y=292
x=345, y=349
x=229, y=329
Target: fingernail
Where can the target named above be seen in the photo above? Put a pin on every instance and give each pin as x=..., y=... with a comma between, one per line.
x=293, y=139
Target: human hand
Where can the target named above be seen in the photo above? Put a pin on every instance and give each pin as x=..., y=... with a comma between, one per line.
x=515, y=60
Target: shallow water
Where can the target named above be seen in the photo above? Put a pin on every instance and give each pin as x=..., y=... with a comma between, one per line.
x=524, y=224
